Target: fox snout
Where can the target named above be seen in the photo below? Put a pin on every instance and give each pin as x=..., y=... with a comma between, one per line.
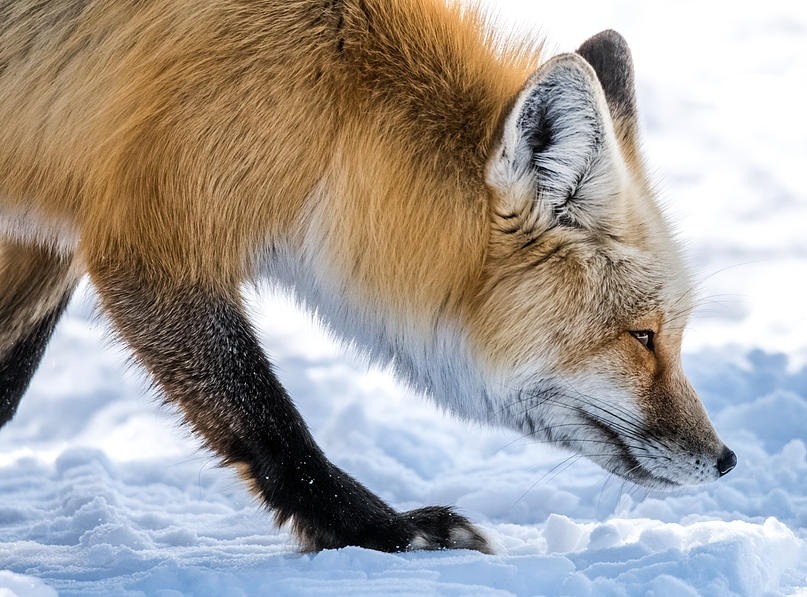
x=651, y=456
x=674, y=442
x=675, y=415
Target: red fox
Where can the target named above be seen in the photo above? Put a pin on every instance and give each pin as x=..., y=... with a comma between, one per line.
x=445, y=199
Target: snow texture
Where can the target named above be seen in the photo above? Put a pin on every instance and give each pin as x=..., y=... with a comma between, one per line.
x=102, y=493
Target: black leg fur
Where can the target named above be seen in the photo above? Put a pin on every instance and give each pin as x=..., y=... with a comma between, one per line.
x=205, y=357
x=19, y=364
x=35, y=287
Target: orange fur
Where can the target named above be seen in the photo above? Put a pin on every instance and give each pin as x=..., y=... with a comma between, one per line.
x=195, y=133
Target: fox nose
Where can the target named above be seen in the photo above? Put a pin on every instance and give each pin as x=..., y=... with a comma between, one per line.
x=726, y=462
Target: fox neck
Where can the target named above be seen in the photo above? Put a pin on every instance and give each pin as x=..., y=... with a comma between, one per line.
x=420, y=334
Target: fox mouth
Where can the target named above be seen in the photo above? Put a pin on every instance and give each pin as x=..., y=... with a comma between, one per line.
x=622, y=445
x=622, y=462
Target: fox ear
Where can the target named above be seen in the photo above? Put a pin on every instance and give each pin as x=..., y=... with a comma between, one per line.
x=557, y=161
x=609, y=55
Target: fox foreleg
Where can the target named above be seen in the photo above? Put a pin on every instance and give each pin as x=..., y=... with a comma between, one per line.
x=35, y=286
x=201, y=350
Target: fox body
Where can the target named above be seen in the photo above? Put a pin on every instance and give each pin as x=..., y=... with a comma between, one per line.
x=443, y=198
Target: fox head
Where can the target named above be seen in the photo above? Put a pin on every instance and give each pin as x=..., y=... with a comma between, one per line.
x=584, y=295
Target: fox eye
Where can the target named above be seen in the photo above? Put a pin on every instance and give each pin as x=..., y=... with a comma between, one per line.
x=645, y=338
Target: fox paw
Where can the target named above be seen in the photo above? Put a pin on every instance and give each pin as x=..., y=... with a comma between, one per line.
x=437, y=527
x=434, y=527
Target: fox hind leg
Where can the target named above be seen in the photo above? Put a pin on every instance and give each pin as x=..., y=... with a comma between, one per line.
x=199, y=347
x=35, y=286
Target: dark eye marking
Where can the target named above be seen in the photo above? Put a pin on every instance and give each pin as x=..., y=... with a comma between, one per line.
x=646, y=338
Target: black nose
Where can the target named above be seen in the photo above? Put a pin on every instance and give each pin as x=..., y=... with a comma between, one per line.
x=726, y=462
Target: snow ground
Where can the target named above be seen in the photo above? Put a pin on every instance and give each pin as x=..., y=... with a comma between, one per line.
x=102, y=493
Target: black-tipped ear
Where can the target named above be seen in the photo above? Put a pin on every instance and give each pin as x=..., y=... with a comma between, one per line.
x=609, y=55
x=557, y=158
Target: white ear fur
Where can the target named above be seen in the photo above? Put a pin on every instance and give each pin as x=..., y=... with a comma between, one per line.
x=558, y=158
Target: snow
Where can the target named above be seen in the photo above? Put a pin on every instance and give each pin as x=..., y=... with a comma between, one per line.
x=104, y=494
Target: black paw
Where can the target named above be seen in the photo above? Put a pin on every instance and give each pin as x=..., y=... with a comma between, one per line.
x=438, y=527
x=335, y=511
x=434, y=527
